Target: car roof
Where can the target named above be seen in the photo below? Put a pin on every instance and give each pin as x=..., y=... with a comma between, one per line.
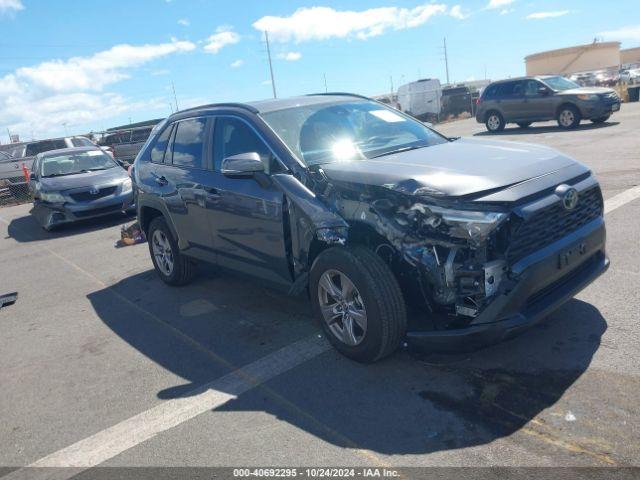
x=528, y=77
x=272, y=105
x=63, y=151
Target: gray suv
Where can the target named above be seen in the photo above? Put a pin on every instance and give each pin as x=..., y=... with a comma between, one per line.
x=368, y=212
x=539, y=99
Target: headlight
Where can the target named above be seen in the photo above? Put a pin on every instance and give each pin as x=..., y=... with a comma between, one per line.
x=52, y=197
x=470, y=225
x=589, y=97
x=126, y=186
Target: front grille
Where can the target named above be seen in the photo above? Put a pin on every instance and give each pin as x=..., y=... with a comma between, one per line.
x=553, y=223
x=87, y=196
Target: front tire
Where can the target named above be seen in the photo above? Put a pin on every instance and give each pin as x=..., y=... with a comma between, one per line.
x=600, y=119
x=358, y=302
x=568, y=117
x=172, y=267
x=494, y=122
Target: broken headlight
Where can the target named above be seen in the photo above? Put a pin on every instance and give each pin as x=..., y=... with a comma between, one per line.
x=470, y=225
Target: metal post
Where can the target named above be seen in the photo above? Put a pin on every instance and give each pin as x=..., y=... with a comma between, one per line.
x=174, y=96
x=273, y=83
x=326, y=90
x=446, y=60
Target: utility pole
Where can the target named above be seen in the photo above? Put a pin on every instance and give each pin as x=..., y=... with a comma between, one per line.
x=273, y=83
x=174, y=96
x=391, y=82
x=326, y=90
x=446, y=59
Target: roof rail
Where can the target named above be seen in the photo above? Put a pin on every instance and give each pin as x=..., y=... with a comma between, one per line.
x=344, y=94
x=215, y=105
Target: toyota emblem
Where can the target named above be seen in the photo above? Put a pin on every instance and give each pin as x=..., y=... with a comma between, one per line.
x=570, y=199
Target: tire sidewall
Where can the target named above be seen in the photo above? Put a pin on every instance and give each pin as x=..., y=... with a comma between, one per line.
x=576, y=117
x=342, y=260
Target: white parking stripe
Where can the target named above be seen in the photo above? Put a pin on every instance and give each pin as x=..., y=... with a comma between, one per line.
x=622, y=198
x=114, y=440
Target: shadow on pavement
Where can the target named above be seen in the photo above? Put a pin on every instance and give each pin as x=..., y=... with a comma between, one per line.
x=27, y=229
x=534, y=130
x=408, y=404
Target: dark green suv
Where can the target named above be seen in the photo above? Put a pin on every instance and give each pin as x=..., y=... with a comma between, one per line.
x=539, y=99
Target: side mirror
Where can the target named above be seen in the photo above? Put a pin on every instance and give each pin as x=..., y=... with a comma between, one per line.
x=543, y=90
x=242, y=165
x=32, y=177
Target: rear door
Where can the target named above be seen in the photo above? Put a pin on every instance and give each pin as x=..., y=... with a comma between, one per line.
x=247, y=217
x=509, y=99
x=189, y=183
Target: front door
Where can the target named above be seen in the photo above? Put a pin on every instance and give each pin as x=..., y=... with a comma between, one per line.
x=537, y=105
x=247, y=219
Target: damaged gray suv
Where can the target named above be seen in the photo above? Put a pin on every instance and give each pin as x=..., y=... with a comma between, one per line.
x=395, y=232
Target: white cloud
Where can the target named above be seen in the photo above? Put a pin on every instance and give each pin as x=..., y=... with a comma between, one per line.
x=498, y=3
x=10, y=6
x=289, y=56
x=322, y=23
x=98, y=70
x=184, y=22
x=506, y=11
x=237, y=64
x=543, y=15
x=70, y=91
x=224, y=36
x=457, y=12
x=265, y=82
x=630, y=32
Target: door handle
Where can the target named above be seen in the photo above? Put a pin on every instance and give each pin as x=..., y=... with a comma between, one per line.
x=160, y=180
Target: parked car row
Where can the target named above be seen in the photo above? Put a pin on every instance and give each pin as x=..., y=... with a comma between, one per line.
x=607, y=77
x=542, y=98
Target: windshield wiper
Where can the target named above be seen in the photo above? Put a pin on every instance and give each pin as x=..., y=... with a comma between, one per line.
x=59, y=175
x=399, y=150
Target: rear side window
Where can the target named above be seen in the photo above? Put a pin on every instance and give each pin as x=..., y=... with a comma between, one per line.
x=44, y=146
x=188, y=144
x=511, y=89
x=157, y=152
x=490, y=91
x=233, y=137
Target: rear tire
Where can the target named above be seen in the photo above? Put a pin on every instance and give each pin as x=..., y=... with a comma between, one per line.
x=365, y=318
x=600, y=119
x=568, y=117
x=494, y=122
x=524, y=124
x=173, y=268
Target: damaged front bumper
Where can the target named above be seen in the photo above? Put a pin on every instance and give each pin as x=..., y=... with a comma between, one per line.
x=540, y=283
x=51, y=215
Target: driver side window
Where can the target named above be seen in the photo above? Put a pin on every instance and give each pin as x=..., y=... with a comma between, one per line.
x=233, y=136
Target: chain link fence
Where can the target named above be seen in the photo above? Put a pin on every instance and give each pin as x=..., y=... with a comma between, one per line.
x=14, y=193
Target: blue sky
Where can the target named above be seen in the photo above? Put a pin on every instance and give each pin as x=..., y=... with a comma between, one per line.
x=75, y=66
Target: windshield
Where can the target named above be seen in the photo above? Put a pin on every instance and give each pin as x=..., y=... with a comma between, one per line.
x=560, y=83
x=74, y=163
x=349, y=130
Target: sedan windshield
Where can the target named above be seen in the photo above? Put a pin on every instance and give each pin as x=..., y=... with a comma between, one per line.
x=349, y=130
x=74, y=163
x=560, y=83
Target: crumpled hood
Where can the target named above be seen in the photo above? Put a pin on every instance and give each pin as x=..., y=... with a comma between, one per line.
x=456, y=168
x=89, y=179
x=585, y=91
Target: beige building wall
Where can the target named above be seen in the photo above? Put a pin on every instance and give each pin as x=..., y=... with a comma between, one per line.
x=570, y=60
x=630, y=55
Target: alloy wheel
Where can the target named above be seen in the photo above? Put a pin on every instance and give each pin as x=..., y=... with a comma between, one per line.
x=493, y=122
x=566, y=118
x=342, y=307
x=162, y=252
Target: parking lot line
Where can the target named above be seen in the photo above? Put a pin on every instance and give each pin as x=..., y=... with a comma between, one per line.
x=621, y=199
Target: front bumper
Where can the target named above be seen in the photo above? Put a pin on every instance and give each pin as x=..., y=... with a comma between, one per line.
x=52, y=215
x=539, y=286
x=599, y=109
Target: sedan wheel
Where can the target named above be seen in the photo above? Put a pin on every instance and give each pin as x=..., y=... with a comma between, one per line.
x=342, y=307
x=162, y=252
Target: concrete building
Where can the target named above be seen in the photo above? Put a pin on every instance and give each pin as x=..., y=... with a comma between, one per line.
x=582, y=58
x=630, y=56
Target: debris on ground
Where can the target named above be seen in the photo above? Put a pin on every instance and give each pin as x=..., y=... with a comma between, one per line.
x=8, y=299
x=131, y=235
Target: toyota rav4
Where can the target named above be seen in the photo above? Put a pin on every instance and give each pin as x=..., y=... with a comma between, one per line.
x=372, y=214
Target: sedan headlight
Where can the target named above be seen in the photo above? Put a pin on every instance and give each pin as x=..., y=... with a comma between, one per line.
x=470, y=225
x=52, y=197
x=590, y=97
x=126, y=186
